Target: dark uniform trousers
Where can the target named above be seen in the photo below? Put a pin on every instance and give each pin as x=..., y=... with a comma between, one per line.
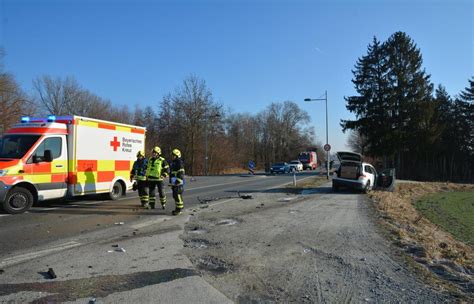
x=156, y=184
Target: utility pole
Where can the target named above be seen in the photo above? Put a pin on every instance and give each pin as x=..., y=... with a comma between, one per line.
x=327, y=147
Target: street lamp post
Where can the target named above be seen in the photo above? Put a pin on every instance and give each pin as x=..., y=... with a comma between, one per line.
x=206, y=141
x=327, y=140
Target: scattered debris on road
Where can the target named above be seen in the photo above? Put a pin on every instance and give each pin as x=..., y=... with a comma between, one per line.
x=51, y=273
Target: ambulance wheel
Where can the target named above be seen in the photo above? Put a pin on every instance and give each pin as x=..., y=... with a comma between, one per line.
x=18, y=201
x=116, y=192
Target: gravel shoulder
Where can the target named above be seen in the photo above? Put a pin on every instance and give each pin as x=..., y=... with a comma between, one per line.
x=317, y=248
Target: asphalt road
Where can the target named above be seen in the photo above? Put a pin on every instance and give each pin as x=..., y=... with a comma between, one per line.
x=53, y=221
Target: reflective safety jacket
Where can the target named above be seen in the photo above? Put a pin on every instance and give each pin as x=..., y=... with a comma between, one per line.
x=177, y=172
x=157, y=168
x=139, y=169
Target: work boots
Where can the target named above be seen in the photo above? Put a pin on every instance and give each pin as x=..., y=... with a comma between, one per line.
x=177, y=211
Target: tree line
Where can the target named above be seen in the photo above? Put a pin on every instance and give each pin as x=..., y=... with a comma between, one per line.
x=188, y=119
x=403, y=121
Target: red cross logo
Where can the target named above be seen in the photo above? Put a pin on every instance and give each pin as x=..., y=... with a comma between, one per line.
x=115, y=143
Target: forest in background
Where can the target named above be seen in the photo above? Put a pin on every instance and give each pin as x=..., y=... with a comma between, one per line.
x=401, y=119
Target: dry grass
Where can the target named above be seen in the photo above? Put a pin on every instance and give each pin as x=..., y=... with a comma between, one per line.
x=235, y=170
x=411, y=227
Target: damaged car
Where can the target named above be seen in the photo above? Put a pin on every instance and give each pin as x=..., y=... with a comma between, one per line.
x=354, y=173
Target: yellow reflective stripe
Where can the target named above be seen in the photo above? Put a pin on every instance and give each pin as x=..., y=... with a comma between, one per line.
x=180, y=170
x=87, y=177
x=122, y=173
x=123, y=129
x=106, y=165
x=39, y=178
x=62, y=166
x=15, y=170
x=88, y=123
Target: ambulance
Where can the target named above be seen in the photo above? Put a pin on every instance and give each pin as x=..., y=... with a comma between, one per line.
x=67, y=156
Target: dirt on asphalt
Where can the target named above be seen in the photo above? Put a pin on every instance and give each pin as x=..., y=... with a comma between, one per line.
x=283, y=247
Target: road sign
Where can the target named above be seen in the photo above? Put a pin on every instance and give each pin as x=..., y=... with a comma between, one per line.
x=327, y=147
x=251, y=165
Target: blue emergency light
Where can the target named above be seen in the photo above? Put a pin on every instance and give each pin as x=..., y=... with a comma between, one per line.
x=51, y=118
x=25, y=119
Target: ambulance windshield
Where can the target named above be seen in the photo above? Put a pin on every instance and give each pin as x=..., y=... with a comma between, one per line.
x=15, y=146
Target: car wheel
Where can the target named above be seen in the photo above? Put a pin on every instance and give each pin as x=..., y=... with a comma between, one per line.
x=116, y=192
x=18, y=201
x=368, y=187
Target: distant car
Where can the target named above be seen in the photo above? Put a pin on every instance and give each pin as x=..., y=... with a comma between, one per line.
x=296, y=165
x=355, y=174
x=280, y=168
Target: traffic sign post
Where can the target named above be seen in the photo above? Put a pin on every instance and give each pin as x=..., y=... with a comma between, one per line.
x=327, y=148
x=251, y=167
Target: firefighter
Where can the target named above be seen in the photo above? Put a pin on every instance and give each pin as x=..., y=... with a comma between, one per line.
x=157, y=170
x=177, y=181
x=138, y=173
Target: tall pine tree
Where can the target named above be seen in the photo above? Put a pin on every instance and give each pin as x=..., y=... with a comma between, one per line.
x=394, y=106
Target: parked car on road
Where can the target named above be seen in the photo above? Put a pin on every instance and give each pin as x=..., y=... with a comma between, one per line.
x=296, y=165
x=280, y=168
x=355, y=174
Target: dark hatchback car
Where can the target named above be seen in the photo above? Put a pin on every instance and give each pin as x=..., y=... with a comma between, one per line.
x=280, y=168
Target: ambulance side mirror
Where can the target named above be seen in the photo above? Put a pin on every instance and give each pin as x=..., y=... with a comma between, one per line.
x=48, y=156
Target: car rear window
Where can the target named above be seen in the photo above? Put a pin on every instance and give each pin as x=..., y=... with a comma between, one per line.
x=349, y=170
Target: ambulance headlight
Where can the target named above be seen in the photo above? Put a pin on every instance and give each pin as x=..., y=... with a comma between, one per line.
x=3, y=172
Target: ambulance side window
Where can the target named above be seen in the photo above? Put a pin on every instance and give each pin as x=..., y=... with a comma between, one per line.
x=52, y=143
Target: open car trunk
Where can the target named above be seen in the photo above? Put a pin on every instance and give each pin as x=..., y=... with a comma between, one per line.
x=349, y=170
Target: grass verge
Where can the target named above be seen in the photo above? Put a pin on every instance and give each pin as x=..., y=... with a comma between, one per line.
x=452, y=211
x=433, y=250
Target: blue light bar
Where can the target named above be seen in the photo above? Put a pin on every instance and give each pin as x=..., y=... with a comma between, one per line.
x=25, y=119
x=51, y=118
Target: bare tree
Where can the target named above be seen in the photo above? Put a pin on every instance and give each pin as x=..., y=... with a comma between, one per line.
x=13, y=102
x=56, y=96
x=184, y=117
x=357, y=142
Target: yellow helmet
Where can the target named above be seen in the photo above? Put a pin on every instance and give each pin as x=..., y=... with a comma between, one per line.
x=140, y=153
x=156, y=149
x=177, y=153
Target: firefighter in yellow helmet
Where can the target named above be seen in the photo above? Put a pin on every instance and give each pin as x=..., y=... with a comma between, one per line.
x=157, y=170
x=177, y=181
x=138, y=173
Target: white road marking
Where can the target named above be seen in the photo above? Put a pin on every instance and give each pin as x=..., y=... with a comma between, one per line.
x=152, y=222
x=223, y=202
x=46, y=208
x=29, y=256
x=5, y=214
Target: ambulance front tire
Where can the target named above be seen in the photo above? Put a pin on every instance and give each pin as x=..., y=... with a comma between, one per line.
x=18, y=201
x=117, y=191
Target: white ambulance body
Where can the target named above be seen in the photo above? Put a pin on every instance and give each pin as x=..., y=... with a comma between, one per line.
x=58, y=157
